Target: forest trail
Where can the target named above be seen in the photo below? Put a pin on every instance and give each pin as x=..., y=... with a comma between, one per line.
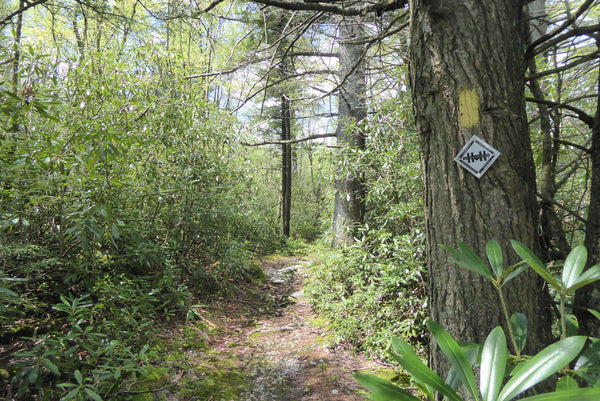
x=273, y=347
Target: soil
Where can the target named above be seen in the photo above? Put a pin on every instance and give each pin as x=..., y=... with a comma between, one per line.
x=273, y=345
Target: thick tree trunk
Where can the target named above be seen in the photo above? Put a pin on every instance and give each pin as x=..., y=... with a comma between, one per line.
x=589, y=297
x=467, y=75
x=349, y=207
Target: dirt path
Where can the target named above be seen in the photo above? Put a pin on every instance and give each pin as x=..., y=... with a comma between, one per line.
x=273, y=348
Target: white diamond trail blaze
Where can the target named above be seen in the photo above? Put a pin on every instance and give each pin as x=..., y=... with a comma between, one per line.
x=477, y=156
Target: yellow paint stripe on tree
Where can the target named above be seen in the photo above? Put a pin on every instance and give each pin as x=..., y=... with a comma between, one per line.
x=468, y=108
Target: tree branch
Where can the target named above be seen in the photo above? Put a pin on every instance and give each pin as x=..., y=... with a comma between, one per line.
x=570, y=21
x=213, y=5
x=563, y=207
x=329, y=6
x=573, y=145
x=580, y=30
x=582, y=59
x=582, y=115
x=308, y=138
x=26, y=6
x=256, y=61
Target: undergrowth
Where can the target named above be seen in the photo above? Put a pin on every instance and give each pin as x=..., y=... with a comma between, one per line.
x=76, y=329
x=375, y=288
x=368, y=296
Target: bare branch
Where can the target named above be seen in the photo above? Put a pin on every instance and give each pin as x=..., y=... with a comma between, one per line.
x=582, y=115
x=259, y=60
x=570, y=21
x=581, y=60
x=578, y=31
x=563, y=207
x=274, y=83
x=213, y=5
x=573, y=145
x=329, y=6
x=26, y=6
x=308, y=138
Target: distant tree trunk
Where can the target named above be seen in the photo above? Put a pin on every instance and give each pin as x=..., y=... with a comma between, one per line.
x=554, y=242
x=286, y=166
x=16, y=66
x=81, y=38
x=538, y=21
x=589, y=296
x=349, y=206
x=467, y=76
x=17, y=54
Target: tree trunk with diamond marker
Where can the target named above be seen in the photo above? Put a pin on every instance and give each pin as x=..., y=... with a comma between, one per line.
x=467, y=74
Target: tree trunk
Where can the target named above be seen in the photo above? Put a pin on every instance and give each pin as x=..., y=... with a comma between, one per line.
x=589, y=296
x=286, y=166
x=349, y=208
x=554, y=241
x=17, y=54
x=537, y=19
x=467, y=75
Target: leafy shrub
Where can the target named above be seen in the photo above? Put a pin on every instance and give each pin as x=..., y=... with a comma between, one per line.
x=368, y=296
x=504, y=376
x=110, y=217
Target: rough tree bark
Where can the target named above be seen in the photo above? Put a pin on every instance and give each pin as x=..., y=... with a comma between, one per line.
x=467, y=75
x=349, y=208
x=589, y=297
x=286, y=166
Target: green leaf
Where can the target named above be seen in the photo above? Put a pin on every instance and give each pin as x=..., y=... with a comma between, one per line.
x=65, y=301
x=493, y=364
x=494, y=254
x=595, y=313
x=528, y=256
x=14, y=279
x=425, y=389
x=115, y=231
x=8, y=292
x=456, y=356
x=102, y=153
x=34, y=373
x=566, y=383
x=519, y=325
x=472, y=351
x=574, y=265
x=382, y=389
x=589, y=276
x=474, y=264
x=547, y=362
x=66, y=385
x=515, y=271
x=582, y=394
x=78, y=376
x=410, y=361
x=51, y=367
x=572, y=325
x=93, y=394
x=71, y=394
x=589, y=357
